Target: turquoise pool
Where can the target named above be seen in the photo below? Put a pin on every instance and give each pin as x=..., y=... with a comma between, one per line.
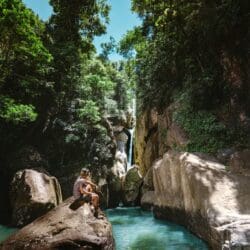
x=135, y=229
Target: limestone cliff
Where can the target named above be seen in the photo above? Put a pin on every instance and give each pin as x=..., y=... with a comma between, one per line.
x=146, y=140
x=155, y=134
x=203, y=196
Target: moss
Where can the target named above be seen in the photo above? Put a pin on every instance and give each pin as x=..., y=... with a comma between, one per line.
x=206, y=133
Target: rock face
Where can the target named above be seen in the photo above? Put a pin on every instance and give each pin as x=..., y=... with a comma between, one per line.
x=132, y=185
x=28, y=157
x=146, y=139
x=156, y=133
x=201, y=195
x=147, y=190
x=120, y=164
x=33, y=194
x=115, y=179
x=240, y=162
x=63, y=228
x=115, y=190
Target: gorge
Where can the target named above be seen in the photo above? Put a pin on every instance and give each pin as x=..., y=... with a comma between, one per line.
x=166, y=128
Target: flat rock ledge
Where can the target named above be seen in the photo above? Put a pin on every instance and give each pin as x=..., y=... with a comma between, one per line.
x=201, y=195
x=63, y=228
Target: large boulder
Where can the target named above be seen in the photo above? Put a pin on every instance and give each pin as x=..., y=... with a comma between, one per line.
x=32, y=194
x=204, y=197
x=132, y=187
x=63, y=228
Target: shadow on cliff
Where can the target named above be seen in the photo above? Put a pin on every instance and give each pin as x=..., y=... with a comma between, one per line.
x=201, y=195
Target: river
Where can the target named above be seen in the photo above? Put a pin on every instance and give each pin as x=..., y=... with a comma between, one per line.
x=5, y=232
x=135, y=229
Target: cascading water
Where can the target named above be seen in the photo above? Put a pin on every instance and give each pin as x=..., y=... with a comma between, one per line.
x=131, y=131
x=130, y=151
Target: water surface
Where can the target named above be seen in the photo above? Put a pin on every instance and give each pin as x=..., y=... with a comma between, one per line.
x=5, y=232
x=135, y=229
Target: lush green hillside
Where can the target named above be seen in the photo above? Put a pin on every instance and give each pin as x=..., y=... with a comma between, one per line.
x=55, y=91
x=195, y=53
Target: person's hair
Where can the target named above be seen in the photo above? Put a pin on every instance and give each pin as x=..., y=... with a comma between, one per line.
x=84, y=171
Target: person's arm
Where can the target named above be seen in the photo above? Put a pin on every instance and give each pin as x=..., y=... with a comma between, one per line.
x=83, y=190
x=91, y=183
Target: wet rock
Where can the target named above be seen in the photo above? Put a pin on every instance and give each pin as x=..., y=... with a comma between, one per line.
x=32, y=194
x=204, y=197
x=132, y=186
x=63, y=228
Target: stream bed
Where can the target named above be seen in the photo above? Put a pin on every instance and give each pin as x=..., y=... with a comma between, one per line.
x=135, y=229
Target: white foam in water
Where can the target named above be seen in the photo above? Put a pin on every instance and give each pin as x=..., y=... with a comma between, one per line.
x=135, y=229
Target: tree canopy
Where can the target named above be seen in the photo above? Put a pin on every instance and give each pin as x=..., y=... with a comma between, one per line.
x=193, y=52
x=54, y=90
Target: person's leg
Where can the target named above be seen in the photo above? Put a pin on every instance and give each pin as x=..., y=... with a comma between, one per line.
x=95, y=200
x=89, y=188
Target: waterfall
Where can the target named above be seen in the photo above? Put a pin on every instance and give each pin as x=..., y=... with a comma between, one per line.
x=130, y=152
x=131, y=131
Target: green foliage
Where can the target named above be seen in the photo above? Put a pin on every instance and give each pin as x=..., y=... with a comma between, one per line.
x=89, y=113
x=133, y=40
x=16, y=113
x=205, y=132
x=20, y=42
x=24, y=61
x=108, y=48
x=199, y=48
x=180, y=45
x=54, y=90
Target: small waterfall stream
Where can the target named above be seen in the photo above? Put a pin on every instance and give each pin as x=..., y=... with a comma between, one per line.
x=130, y=151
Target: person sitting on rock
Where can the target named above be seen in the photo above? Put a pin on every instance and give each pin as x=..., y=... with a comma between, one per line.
x=84, y=187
